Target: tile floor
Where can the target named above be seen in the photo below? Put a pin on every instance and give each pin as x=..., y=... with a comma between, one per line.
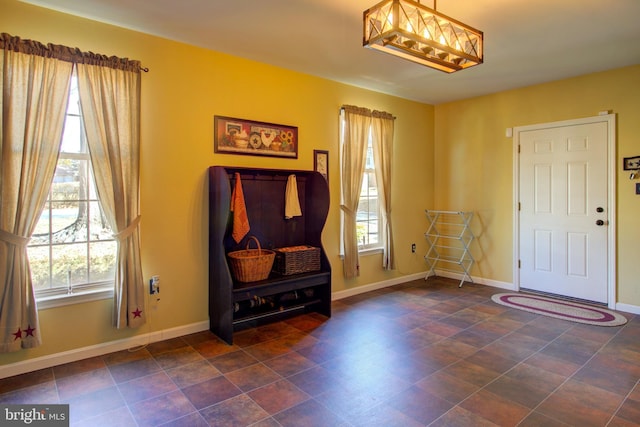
x=421, y=353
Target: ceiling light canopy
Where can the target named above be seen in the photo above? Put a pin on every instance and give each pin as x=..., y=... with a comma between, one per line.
x=407, y=29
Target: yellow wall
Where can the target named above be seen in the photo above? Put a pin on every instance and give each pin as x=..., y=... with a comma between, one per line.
x=185, y=88
x=474, y=168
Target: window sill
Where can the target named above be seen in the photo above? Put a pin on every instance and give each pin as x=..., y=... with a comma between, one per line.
x=366, y=252
x=53, y=301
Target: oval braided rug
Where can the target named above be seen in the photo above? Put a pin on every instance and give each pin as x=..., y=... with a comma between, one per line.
x=567, y=310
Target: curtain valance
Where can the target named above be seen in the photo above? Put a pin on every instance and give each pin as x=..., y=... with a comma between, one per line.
x=68, y=54
x=367, y=112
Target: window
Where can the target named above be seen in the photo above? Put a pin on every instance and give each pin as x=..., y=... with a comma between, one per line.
x=72, y=250
x=368, y=213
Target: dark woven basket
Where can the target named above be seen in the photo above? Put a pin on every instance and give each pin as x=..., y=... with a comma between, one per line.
x=251, y=265
x=296, y=260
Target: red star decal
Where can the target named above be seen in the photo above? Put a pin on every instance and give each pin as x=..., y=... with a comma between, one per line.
x=29, y=331
x=18, y=334
x=137, y=313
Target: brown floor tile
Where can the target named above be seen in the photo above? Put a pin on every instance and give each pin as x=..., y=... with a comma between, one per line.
x=231, y=361
x=472, y=373
x=420, y=405
x=159, y=410
x=128, y=371
x=315, y=381
x=536, y=377
x=609, y=374
x=210, y=392
x=516, y=346
x=83, y=383
x=452, y=389
x=460, y=417
x=268, y=349
x=119, y=417
x=167, y=345
x=520, y=392
x=193, y=373
x=629, y=411
x=571, y=348
x=237, y=411
x=278, y=396
x=551, y=364
x=125, y=356
x=252, y=377
x=308, y=414
x=177, y=357
x=383, y=416
x=289, y=364
x=593, y=333
x=495, y=408
x=580, y=404
x=536, y=419
x=214, y=348
x=193, y=419
x=26, y=380
x=200, y=337
x=78, y=367
x=39, y=393
x=442, y=329
x=89, y=405
x=491, y=361
x=146, y=387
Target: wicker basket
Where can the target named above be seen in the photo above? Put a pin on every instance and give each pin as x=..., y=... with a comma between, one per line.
x=251, y=265
x=296, y=259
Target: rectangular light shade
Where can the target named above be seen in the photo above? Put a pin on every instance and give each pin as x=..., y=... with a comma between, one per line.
x=407, y=29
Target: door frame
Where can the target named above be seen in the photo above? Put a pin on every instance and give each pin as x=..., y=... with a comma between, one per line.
x=610, y=120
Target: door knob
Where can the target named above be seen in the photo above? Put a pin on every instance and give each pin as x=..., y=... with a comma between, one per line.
x=600, y=222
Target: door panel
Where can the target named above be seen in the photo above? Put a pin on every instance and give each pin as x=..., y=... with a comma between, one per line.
x=563, y=180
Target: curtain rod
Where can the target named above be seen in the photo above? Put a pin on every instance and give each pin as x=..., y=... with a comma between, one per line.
x=68, y=54
x=367, y=112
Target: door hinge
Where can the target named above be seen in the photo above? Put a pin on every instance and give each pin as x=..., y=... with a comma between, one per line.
x=519, y=264
x=518, y=148
x=519, y=206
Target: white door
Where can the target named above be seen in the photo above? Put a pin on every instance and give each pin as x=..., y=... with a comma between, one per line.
x=563, y=217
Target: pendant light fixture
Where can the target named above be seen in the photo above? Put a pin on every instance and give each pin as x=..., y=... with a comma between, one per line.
x=407, y=29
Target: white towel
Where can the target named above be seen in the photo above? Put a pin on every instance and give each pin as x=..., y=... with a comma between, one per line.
x=291, y=201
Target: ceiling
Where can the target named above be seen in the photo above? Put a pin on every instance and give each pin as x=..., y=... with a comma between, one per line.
x=526, y=42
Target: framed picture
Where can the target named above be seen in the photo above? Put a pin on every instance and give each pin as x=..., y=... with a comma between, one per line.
x=321, y=162
x=631, y=163
x=238, y=136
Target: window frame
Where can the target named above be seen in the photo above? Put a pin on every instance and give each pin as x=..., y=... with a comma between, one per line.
x=370, y=248
x=81, y=292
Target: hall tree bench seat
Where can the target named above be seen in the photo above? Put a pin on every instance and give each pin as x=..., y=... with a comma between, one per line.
x=234, y=305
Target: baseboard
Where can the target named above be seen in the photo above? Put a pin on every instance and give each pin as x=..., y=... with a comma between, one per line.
x=478, y=280
x=398, y=280
x=627, y=308
x=48, y=361
x=375, y=286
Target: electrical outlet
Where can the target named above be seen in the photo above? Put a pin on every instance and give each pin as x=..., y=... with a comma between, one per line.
x=154, y=285
x=413, y=248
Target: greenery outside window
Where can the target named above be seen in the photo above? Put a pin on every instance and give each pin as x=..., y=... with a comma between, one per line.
x=72, y=250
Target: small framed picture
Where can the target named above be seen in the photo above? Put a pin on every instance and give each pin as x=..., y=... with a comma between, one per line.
x=321, y=163
x=631, y=163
